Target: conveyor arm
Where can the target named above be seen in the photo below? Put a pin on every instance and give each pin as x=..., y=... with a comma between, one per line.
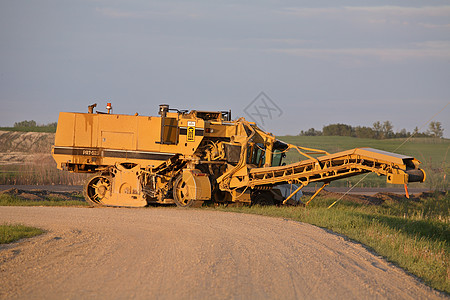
x=399, y=169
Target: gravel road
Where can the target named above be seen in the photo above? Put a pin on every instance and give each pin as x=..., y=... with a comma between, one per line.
x=169, y=253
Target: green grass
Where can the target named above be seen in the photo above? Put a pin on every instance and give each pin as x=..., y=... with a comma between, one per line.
x=11, y=233
x=10, y=200
x=413, y=235
x=432, y=152
x=432, y=146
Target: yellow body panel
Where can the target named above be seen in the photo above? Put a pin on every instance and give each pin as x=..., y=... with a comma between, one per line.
x=118, y=139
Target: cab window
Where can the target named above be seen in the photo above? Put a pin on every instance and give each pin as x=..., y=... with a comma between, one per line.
x=277, y=157
x=256, y=155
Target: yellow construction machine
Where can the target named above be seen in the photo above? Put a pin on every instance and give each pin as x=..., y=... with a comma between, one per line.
x=187, y=158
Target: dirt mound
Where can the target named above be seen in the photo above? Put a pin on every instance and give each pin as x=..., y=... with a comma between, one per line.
x=377, y=199
x=29, y=142
x=25, y=159
x=24, y=147
x=42, y=195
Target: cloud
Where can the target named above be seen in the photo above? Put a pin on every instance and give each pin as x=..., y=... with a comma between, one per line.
x=115, y=13
x=144, y=14
x=438, y=45
x=435, y=26
x=282, y=41
x=426, y=50
x=311, y=11
x=430, y=11
x=429, y=17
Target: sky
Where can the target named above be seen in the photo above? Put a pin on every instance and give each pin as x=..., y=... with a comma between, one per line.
x=288, y=65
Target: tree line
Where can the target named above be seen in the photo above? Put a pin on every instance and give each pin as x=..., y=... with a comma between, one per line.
x=31, y=126
x=378, y=130
x=32, y=123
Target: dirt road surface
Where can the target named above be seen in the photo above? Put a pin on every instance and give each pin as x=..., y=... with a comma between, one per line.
x=168, y=253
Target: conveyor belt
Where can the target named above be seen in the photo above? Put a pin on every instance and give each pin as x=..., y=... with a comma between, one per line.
x=399, y=169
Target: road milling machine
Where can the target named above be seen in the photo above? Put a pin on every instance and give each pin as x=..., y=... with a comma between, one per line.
x=187, y=158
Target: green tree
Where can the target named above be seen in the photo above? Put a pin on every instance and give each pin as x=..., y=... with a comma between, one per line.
x=402, y=134
x=31, y=123
x=311, y=132
x=435, y=129
x=387, y=129
x=338, y=130
x=378, y=129
x=364, y=132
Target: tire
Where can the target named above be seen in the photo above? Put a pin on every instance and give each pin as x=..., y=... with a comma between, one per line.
x=179, y=194
x=96, y=189
x=263, y=199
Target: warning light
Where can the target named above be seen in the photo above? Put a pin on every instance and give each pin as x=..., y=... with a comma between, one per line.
x=108, y=107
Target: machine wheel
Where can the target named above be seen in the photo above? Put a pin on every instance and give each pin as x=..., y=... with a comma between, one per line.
x=96, y=189
x=180, y=194
x=263, y=199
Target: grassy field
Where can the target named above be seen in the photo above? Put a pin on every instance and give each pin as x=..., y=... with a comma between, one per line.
x=41, y=172
x=11, y=233
x=432, y=152
x=12, y=200
x=413, y=235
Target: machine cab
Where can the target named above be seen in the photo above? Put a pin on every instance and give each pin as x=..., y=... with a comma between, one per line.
x=256, y=154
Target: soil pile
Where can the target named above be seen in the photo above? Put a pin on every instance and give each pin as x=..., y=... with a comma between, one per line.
x=42, y=195
x=24, y=147
x=377, y=199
